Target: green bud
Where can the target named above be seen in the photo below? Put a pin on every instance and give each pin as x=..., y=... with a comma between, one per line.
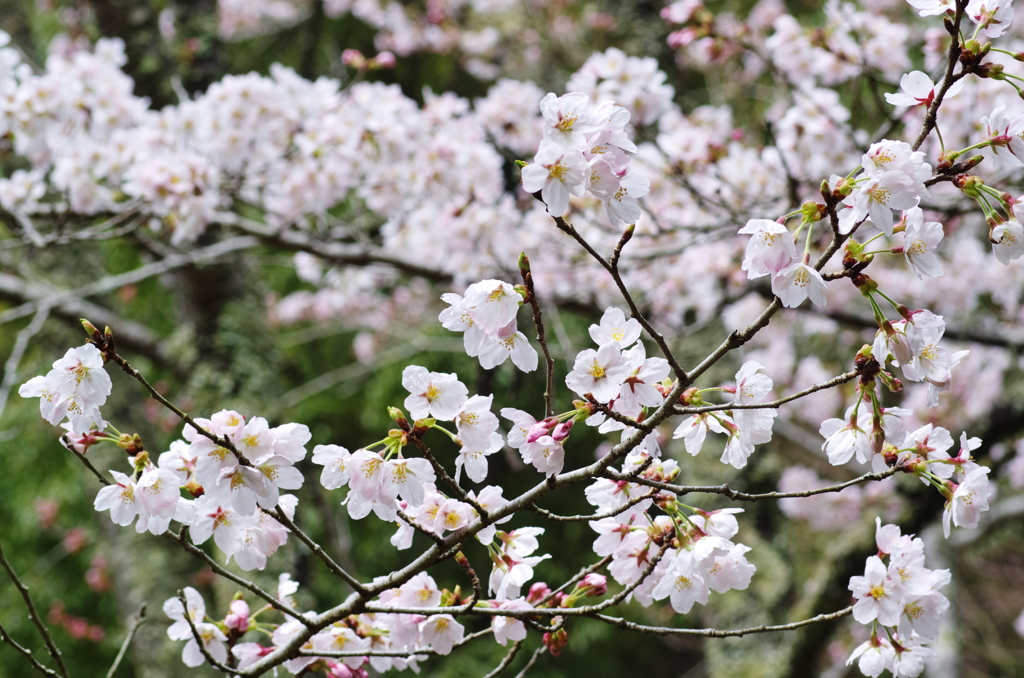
x=89, y=328
x=524, y=262
x=521, y=164
x=812, y=212
x=971, y=186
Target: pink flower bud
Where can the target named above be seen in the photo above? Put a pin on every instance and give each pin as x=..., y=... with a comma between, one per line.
x=537, y=593
x=353, y=58
x=385, y=60
x=561, y=431
x=238, y=616
x=556, y=642
x=596, y=583
x=539, y=430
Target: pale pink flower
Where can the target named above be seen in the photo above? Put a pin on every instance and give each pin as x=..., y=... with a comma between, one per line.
x=769, y=250
x=797, y=282
x=557, y=173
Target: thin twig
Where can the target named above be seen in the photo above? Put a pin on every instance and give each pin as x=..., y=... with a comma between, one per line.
x=570, y=230
x=4, y=636
x=18, y=352
x=393, y=653
x=33, y=615
x=317, y=550
x=460, y=493
x=774, y=404
x=533, y=660
x=478, y=593
x=577, y=577
x=115, y=282
x=509, y=656
x=538, y=321
x=931, y=115
x=743, y=496
x=66, y=443
x=555, y=518
x=221, y=441
x=717, y=633
x=181, y=539
x=210, y=659
x=137, y=621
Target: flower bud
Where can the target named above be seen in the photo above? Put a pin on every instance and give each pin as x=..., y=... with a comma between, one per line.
x=556, y=642
x=970, y=185
x=524, y=263
x=594, y=584
x=539, y=430
x=238, y=616
x=353, y=58
x=385, y=59
x=538, y=592
x=561, y=431
x=90, y=329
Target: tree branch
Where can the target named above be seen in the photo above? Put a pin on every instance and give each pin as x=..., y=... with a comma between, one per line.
x=33, y=615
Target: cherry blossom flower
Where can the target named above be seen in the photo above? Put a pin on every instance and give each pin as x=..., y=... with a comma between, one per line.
x=334, y=459
x=993, y=17
x=919, y=242
x=567, y=120
x=876, y=595
x=614, y=326
x=844, y=438
x=797, y=282
x=1008, y=241
x=441, y=632
x=213, y=638
x=877, y=196
x=599, y=373
x=433, y=394
x=969, y=500
x=1005, y=133
x=557, y=173
x=509, y=628
x=508, y=343
x=915, y=87
x=770, y=250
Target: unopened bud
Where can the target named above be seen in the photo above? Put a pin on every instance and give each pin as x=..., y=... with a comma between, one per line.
x=90, y=329
x=141, y=461
x=970, y=185
x=812, y=212
x=538, y=592
x=385, y=59
x=865, y=284
x=561, y=431
x=353, y=58
x=594, y=584
x=990, y=70
x=892, y=383
x=524, y=262
x=539, y=430
x=195, y=489
x=690, y=396
x=556, y=642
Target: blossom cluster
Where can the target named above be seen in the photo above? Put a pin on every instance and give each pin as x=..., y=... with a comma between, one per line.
x=586, y=148
x=901, y=596
x=487, y=318
x=744, y=427
x=74, y=389
x=682, y=554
